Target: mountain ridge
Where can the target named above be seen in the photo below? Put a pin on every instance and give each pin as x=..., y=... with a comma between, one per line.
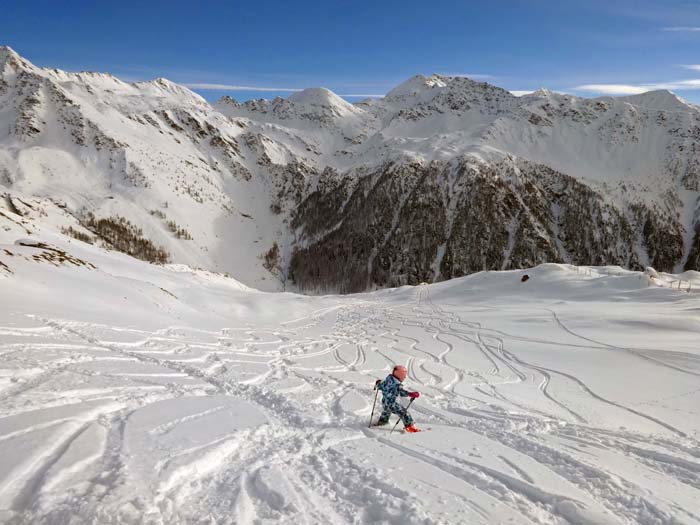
x=232, y=186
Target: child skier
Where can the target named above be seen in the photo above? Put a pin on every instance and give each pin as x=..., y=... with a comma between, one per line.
x=391, y=387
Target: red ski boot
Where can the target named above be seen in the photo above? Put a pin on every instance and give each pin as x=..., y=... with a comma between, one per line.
x=412, y=428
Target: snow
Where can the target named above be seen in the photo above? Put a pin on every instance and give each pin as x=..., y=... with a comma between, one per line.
x=661, y=99
x=128, y=149
x=135, y=393
x=416, y=86
x=323, y=98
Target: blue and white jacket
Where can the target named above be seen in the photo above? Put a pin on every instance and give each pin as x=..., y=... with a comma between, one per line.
x=391, y=388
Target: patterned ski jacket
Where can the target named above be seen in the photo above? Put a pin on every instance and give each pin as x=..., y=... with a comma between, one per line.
x=391, y=387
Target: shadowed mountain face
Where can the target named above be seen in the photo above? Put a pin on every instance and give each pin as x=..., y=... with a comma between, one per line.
x=406, y=224
x=442, y=177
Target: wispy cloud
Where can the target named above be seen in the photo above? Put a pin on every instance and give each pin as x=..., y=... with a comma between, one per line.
x=682, y=29
x=611, y=89
x=693, y=83
x=204, y=86
x=692, y=67
x=636, y=89
x=232, y=87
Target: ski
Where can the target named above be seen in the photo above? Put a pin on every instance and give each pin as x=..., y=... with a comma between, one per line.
x=403, y=431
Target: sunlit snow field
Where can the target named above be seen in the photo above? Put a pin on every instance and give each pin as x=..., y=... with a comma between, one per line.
x=132, y=393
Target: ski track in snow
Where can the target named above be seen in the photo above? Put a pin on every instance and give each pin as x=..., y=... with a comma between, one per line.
x=90, y=424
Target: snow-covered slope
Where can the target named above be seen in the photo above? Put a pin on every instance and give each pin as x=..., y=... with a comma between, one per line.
x=318, y=193
x=136, y=393
x=154, y=153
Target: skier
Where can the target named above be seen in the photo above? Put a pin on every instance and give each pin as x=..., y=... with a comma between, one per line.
x=391, y=387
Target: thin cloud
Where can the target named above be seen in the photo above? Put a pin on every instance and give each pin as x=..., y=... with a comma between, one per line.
x=231, y=87
x=692, y=67
x=693, y=83
x=611, y=89
x=267, y=89
x=636, y=89
x=682, y=29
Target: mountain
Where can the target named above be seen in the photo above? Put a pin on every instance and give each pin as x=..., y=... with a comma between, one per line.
x=442, y=177
x=81, y=145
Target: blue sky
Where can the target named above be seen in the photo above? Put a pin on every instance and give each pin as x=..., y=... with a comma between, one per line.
x=253, y=49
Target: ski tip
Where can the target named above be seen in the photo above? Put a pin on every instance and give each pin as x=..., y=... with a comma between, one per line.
x=416, y=431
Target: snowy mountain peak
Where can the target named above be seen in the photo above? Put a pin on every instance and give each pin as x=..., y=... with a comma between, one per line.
x=7, y=52
x=323, y=99
x=417, y=84
x=660, y=99
x=318, y=105
x=11, y=57
x=542, y=93
x=164, y=87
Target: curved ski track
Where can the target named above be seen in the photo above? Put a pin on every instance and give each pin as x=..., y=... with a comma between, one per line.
x=312, y=378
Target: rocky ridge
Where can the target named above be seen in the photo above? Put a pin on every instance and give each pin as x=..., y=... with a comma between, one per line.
x=442, y=177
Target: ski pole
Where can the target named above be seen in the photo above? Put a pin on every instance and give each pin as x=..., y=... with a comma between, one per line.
x=376, y=393
x=409, y=406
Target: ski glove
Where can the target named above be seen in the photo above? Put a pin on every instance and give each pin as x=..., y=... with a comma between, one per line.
x=414, y=395
x=376, y=383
